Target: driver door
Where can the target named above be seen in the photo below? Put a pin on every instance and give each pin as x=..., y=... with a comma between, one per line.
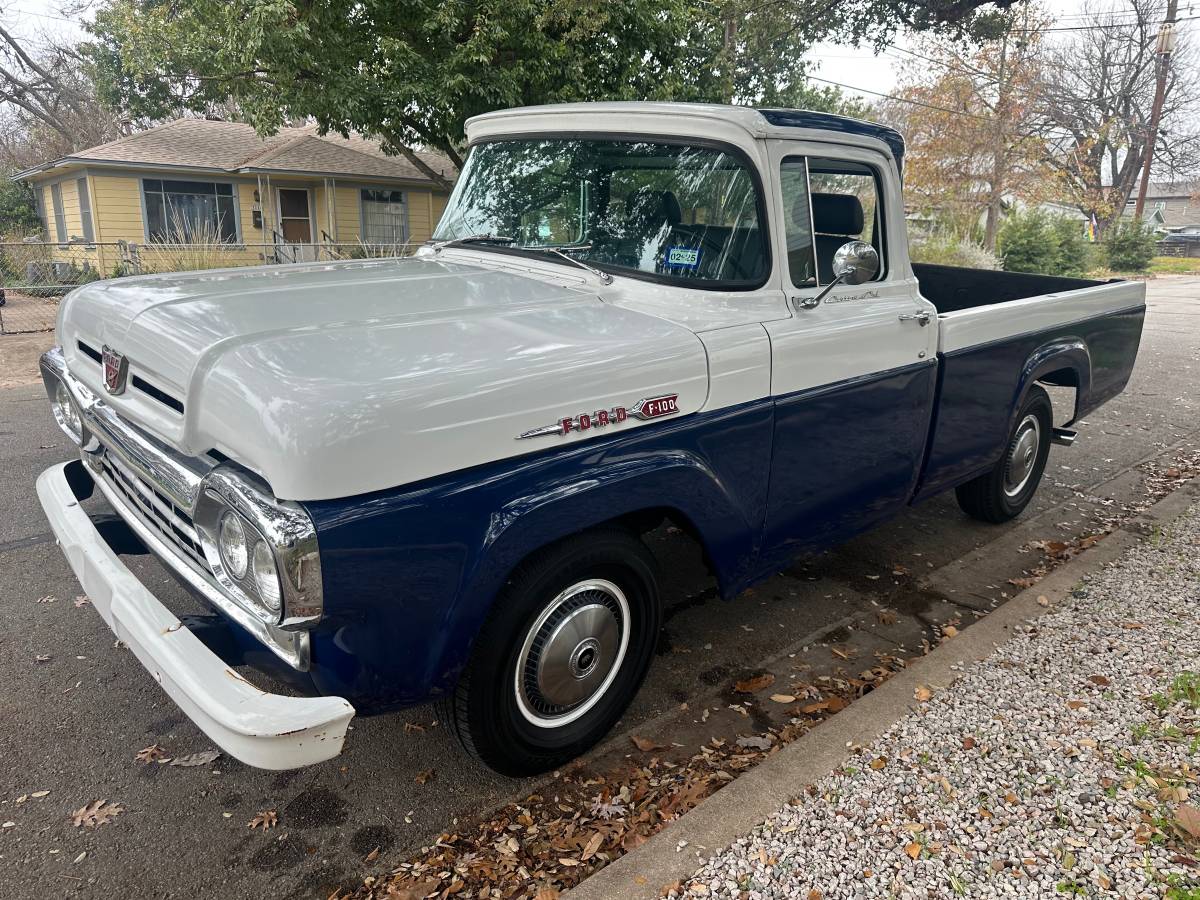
x=853, y=376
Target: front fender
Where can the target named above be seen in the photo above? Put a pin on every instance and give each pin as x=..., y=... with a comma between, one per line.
x=411, y=574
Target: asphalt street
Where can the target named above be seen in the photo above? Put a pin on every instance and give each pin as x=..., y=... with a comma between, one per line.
x=76, y=710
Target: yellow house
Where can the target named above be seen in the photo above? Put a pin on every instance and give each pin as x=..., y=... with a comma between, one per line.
x=218, y=192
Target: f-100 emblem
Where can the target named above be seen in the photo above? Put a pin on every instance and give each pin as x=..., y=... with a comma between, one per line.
x=646, y=408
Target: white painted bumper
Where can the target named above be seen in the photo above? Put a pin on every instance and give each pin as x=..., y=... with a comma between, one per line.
x=268, y=731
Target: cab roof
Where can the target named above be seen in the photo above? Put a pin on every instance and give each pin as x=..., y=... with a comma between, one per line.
x=757, y=123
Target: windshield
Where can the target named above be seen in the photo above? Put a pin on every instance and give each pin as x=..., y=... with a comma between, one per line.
x=679, y=212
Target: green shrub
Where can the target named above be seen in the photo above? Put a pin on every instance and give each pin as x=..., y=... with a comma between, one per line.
x=947, y=249
x=1034, y=241
x=1129, y=246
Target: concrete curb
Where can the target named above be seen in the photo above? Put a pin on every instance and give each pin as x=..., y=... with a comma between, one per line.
x=746, y=802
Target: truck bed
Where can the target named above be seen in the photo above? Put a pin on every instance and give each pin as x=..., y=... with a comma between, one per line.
x=953, y=288
x=998, y=332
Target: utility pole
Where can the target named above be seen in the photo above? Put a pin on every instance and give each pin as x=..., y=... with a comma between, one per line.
x=1166, y=44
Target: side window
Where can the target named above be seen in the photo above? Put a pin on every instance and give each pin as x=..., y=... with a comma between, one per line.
x=846, y=206
x=797, y=220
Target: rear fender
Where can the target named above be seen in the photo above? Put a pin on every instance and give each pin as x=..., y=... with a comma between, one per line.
x=1062, y=353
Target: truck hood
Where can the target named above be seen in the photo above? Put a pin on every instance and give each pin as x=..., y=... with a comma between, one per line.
x=336, y=379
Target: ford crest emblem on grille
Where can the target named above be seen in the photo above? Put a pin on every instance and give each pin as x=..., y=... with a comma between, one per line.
x=116, y=367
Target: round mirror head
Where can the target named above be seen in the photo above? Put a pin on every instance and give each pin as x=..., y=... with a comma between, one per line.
x=855, y=262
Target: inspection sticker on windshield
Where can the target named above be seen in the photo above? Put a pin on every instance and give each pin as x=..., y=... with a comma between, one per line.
x=683, y=257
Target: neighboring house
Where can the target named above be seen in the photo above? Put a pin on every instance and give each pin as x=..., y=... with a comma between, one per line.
x=1171, y=206
x=198, y=180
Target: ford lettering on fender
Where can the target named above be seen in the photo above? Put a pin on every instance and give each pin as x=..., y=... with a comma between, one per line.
x=403, y=480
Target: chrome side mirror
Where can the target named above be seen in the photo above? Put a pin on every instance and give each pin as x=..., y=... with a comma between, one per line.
x=855, y=262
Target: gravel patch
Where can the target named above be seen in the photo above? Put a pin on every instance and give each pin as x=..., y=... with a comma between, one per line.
x=1059, y=766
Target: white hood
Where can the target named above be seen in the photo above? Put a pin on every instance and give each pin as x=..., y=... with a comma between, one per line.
x=335, y=379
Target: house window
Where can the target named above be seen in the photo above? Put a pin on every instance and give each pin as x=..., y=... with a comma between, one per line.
x=384, y=217
x=85, y=210
x=187, y=212
x=60, y=221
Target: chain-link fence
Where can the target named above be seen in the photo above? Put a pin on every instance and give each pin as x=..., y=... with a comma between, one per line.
x=34, y=275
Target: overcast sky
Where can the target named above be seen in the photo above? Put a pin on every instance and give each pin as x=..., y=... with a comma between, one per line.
x=857, y=68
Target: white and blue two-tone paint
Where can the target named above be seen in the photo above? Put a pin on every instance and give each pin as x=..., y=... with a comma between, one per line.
x=399, y=480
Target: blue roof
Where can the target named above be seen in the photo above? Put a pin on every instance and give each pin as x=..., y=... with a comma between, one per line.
x=801, y=118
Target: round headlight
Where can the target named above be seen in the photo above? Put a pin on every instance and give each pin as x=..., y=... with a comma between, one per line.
x=231, y=539
x=68, y=416
x=265, y=577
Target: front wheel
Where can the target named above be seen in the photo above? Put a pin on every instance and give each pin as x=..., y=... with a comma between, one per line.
x=1004, y=492
x=561, y=655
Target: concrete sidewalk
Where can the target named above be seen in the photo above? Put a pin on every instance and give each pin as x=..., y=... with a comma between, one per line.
x=1060, y=761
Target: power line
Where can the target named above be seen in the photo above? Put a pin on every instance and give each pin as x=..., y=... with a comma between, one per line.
x=934, y=106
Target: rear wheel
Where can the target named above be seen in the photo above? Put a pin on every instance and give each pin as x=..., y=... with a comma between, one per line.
x=562, y=653
x=1004, y=492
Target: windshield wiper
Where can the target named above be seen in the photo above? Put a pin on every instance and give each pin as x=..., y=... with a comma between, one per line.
x=562, y=252
x=483, y=238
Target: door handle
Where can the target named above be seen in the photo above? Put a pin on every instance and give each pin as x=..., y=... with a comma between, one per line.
x=922, y=318
x=806, y=302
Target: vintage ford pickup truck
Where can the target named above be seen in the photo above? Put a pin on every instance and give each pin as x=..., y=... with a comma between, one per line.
x=404, y=480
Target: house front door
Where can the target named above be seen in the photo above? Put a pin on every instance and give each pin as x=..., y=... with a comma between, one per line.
x=295, y=224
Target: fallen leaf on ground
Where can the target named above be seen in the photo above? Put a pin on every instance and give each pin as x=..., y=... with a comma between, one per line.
x=42, y=657
x=546, y=893
x=1100, y=680
x=755, y=684
x=968, y=743
x=423, y=776
x=783, y=698
x=922, y=693
x=913, y=850
x=153, y=753
x=592, y=846
x=98, y=812
x=646, y=745
x=1188, y=818
x=949, y=631
x=886, y=617
x=372, y=856
x=1043, y=600
x=268, y=818
x=46, y=599
x=878, y=763
x=81, y=600
x=203, y=758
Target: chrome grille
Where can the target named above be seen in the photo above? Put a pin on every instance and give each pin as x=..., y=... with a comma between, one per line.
x=155, y=510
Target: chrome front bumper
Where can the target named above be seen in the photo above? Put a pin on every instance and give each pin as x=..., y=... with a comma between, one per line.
x=269, y=731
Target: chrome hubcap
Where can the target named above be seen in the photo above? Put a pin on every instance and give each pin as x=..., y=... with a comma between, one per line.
x=572, y=653
x=1022, y=458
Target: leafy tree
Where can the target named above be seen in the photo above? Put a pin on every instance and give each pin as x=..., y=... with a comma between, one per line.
x=970, y=124
x=18, y=211
x=1129, y=245
x=411, y=72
